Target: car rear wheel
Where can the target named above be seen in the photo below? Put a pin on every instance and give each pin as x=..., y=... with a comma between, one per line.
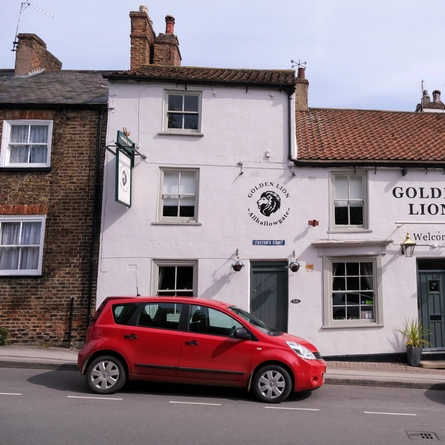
x=271, y=384
x=106, y=375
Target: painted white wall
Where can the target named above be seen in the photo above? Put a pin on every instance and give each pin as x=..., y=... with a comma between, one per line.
x=240, y=125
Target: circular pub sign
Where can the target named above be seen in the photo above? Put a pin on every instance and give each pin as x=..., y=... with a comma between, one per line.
x=268, y=203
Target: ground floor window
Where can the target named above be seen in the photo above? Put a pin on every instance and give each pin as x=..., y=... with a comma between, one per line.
x=21, y=244
x=351, y=293
x=175, y=279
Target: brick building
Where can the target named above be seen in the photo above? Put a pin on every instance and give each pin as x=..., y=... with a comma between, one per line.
x=52, y=129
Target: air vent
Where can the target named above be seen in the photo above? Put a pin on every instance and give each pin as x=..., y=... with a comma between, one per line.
x=422, y=435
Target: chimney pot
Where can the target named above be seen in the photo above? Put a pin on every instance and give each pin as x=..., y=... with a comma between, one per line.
x=169, y=24
x=143, y=8
x=436, y=96
x=301, y=71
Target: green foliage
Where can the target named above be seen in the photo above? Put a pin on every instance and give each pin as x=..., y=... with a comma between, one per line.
x=3, y=336
x=414, y=333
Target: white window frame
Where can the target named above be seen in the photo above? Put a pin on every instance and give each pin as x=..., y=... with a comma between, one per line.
x=157, y=264
x=178, y=219
x=6, y=136
x=350, y=227
x=22, y=219
x=182, y=131
x=328, y=319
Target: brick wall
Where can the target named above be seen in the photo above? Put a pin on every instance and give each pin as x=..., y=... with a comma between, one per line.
x=36, y=310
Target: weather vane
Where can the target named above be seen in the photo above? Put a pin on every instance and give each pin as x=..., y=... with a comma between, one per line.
x=299, y=64
x=23, y=6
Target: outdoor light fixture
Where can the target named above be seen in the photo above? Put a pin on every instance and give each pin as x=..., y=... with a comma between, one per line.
x=237, y=265
x=294, y=265
x=408, y=246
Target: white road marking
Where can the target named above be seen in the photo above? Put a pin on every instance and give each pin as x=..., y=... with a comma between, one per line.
x=94, y=398
x=195, y=403
x=390, y=414
x=10, y=394
x=294, y=409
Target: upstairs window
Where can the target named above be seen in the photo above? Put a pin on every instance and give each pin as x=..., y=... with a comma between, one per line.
x=183, y=112
x=349, y=204
x=26, y=144
x=178, y=198
x=21, y=245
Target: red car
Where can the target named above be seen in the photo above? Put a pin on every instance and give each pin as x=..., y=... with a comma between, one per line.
x=195, y=341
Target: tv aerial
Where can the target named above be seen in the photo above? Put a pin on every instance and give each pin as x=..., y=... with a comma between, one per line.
x=23, y=6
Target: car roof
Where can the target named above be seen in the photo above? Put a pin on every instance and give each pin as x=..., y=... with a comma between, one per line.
x=188, y=300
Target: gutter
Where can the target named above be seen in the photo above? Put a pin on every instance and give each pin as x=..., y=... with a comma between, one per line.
x=368, y=163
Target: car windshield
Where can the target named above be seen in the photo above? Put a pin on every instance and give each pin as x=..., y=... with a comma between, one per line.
x=254, y=321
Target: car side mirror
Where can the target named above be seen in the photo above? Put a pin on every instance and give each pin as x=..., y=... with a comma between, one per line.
x=242, y=334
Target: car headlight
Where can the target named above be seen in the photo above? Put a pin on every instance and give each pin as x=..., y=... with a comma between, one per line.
x=301, y=350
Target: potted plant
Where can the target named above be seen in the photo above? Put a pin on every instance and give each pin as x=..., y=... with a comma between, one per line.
x=414, y=334
x=237, y=265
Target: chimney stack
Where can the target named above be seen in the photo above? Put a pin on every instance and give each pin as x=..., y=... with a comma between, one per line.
x=32, y=56
x=146, y=48
x=301, y=90
x=166, y=50
x=142, y=38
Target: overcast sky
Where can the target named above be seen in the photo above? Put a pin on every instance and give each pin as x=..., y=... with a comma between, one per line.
x=360, y=54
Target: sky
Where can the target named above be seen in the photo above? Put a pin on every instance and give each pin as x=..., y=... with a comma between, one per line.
x=359, y=54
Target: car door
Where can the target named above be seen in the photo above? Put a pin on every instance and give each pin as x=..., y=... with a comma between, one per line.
x=210, y=352
x=153, y=346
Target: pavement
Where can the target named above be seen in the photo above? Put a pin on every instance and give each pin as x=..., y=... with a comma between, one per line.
x=430, y=375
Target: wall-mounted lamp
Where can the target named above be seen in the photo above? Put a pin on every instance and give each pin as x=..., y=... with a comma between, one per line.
x=240, y=164
x=313, y=222
x=294, y=265
x=408, y=246
x=237, y=265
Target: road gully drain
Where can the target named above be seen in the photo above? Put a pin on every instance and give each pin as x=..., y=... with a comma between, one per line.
x=422, y=435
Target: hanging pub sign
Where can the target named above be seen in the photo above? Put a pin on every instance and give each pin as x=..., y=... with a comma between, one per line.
x=124, y=166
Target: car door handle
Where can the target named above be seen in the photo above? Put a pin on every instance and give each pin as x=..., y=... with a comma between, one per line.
x=192, y=343
x=131, y=336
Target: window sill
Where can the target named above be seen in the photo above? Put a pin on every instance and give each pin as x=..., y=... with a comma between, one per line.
x=3, y=276
x=349, y=230
x=180, y=133
x=26, y=169
x=176, y=223
x=354, y=325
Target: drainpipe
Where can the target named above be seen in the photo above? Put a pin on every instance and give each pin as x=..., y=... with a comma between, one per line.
x=290, y=92
x=95, y=213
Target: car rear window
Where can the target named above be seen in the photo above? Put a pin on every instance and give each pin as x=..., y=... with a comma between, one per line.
x=122, y=313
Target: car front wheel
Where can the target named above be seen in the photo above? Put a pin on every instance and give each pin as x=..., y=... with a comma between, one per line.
x=271, y=384
x=106, y=375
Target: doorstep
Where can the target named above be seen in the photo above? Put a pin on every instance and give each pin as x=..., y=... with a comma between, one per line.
x=432, y=364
